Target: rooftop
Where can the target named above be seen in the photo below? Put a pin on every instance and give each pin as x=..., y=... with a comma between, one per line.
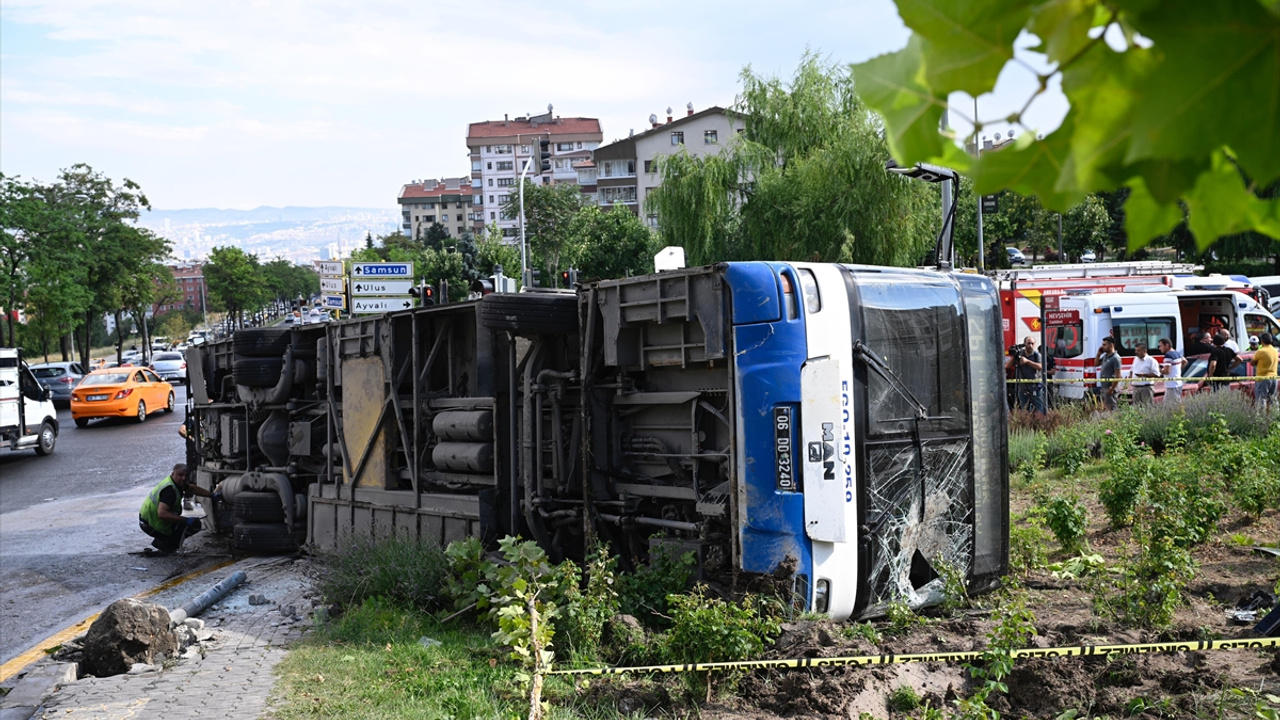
x=539, y=124
x=433, y=188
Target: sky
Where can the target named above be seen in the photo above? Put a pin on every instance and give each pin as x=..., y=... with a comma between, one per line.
x=248, y=103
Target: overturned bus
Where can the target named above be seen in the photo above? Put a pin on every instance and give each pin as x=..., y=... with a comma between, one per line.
x=841, y=426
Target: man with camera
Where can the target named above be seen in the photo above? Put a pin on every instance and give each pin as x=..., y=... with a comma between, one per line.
x=1026, y=365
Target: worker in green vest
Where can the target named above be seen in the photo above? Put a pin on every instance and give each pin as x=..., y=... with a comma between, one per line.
x=161, y=512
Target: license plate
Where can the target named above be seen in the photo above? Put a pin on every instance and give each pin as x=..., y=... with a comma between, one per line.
x=93, y=398
x=782, y=446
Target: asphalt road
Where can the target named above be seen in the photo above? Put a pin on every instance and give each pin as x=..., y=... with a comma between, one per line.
x=69, y=521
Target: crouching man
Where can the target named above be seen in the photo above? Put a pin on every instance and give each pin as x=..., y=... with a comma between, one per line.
x=161, y=513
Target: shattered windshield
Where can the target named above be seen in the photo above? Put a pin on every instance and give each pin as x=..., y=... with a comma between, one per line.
x=915, y=326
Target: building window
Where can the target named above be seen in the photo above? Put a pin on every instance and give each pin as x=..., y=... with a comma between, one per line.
x=490, y=164
x=677, y=137
x=506, y=165
x=444, y=218
x=493, y=216
x=506, y=182
x=428, y=218
x=710, y=137
x=488, y=149
x=490, y=199
x=431, y=206
x=509, y=232
x=564, y=163
x=564, y=147
x=648, y=166
x=490, y=182
x=579, y=146
x=524, y=149
x=631, y=167
x=477, y=199
x=626, y=194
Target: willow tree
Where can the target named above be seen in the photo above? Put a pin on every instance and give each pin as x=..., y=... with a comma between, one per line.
x=804, y=181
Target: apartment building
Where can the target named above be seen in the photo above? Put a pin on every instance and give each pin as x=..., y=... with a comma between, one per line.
x=624, y=172
x=449, y=202
x=192, y=289
x=498, y=149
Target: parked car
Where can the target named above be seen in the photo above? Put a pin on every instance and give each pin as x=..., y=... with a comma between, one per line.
x=1088, y=256
x=1015, y=256
x=170, y=366
x=120, y=392
x=1198, y=366
x=60, y=378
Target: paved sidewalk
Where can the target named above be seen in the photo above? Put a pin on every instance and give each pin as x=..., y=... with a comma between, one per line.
x=234, y=679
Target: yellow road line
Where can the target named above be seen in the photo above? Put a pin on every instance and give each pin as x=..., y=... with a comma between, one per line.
x=20, y=663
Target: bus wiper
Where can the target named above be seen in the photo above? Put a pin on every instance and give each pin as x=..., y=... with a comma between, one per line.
x=873, y=361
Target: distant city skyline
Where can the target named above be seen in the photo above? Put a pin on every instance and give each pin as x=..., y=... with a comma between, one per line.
x=241, y=104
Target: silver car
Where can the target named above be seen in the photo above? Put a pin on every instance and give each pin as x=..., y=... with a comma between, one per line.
x=60, y=377
x=170, y=366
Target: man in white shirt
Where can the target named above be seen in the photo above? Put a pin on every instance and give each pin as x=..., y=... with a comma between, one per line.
x=1144, y=366
x=1171, y=368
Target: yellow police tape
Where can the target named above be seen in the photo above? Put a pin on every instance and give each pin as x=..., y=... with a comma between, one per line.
x=1051, y=381
x=893, y=659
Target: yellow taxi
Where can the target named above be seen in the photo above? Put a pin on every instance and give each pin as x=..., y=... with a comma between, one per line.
x=120, y=392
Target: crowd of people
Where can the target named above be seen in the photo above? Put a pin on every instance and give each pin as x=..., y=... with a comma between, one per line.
x=1026, y=364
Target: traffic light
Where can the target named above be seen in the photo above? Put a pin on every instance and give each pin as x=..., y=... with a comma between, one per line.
x=425, y=293
x=544, y=154
x=569, y=277
x=535, y=278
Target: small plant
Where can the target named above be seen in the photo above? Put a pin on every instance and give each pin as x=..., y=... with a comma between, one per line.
x=1027, y=551
x=705, y=628
x=1083, y=565
x=585, y=612
x=863, y=630
x=1150, y=588
x=1068, y=520
x=955, y=591
x=901, y=617
x=1015, y=626
x=467, y=571
x=904, y=699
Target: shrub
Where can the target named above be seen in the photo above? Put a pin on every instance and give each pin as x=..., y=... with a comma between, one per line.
x=705, y=628
x=1151, y=585
x=403, y=571
x=1180, y=503
x=587, y=610
x=1121, y=489
x=1068, y=520
x=1071, y=446
x=644, y=592
x=1238, y=417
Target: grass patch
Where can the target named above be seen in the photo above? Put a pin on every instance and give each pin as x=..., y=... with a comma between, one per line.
x=402, y=571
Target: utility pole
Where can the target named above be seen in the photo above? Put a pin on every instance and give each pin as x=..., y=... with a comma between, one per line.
x=524, y=258
x=946, y=199
x=977, y=152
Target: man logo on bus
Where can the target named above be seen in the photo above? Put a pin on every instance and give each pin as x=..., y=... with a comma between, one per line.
x=823, y=451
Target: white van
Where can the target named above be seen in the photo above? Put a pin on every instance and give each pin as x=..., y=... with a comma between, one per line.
x=1074, y=333
x=28, y=419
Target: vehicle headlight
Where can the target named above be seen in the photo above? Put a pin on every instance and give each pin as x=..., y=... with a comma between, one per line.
x=821, y=596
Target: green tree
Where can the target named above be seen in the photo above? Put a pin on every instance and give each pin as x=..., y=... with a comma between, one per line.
x=235, y=281
x=548, y=212
x=805, y=181
x=611, y=243
x=494, y=251
x=1086, y=226
x=1181, y=106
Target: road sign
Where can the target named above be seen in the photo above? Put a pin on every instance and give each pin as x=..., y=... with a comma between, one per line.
x=990, y=204
x=380, y=287
x=365, y=306
x=382, y=270
x=1058, y=318
x=1050, y=302
x=331, y=269
x=334, y=301
x=332, y=284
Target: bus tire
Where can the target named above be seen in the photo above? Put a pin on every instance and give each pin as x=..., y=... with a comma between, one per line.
x=535, y=313
x=258, y=507
x=261, y=342
x=47, y=440
x=265, y=538
x=259, y=372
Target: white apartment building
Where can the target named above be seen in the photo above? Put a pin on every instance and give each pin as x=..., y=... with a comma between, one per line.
x=624, y=172
x=498, y=149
